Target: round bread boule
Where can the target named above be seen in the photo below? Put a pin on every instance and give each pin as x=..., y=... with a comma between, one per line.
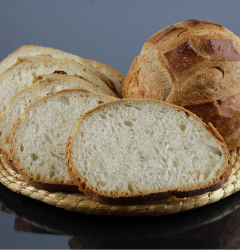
x=194, y=64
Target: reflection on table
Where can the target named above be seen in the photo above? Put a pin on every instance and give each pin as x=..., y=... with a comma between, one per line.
x=213, y=226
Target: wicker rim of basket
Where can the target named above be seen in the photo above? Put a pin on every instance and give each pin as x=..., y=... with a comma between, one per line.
x=80, y=203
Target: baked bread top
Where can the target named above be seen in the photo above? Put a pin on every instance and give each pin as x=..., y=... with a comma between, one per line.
x=187, y=63
x=135, y=150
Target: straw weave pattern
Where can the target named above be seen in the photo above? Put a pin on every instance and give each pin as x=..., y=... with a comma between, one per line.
x=80, y=203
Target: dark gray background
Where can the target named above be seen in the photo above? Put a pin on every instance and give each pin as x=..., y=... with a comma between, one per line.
x=109, y=31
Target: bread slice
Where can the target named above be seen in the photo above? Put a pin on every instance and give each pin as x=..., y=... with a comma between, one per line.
x=22, y=74
x=43, y=85
x=112, y=74
x=139, y=150
x=25, y=51
x=38, y=140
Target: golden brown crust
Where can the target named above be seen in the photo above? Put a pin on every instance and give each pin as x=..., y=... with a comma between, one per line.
x=224, y=115
x=180, y=26
x=147, y=195
x=197, y=63
x=192, y=22
x=222, y=50
x=182, y=57
x=159, y=35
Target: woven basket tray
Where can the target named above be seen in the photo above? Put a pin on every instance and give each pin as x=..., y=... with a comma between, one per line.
x=80, y=203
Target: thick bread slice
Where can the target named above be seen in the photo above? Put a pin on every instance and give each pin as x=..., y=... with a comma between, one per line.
x=137, y=150
x=38, y=140
x=44, y=85
x=22, y=74
x=25, y=51
x=112, y=74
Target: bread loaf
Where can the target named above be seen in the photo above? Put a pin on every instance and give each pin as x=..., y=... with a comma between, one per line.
x=38, y=140
x=43, y=86
x=22, y=74
x=137, y=150
x=25, y=51
x=194, y=64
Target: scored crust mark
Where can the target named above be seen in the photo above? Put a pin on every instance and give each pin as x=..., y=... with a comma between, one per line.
x=159, y=35
x=202, y=83
x=224, y=114
x=182, y=57
x=228, y=106
x=193, y=22
x=222, y=50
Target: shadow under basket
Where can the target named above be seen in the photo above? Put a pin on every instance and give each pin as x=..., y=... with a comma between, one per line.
x=80, y=203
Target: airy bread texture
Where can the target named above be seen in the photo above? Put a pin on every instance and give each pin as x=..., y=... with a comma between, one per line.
x=137, y=150
x=112, y=74
x=38, y=140
x=43, y=86
x=25, y=51
x=22, y=74
x=194, y=64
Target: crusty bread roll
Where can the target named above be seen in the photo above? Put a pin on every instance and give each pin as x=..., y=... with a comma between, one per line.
x=140, y=150
x=195, y=64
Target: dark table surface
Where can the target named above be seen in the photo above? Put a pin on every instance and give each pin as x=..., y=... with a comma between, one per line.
x=112, y=32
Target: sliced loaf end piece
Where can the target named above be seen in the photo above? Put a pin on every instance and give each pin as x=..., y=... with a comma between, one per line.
x=144, y=150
